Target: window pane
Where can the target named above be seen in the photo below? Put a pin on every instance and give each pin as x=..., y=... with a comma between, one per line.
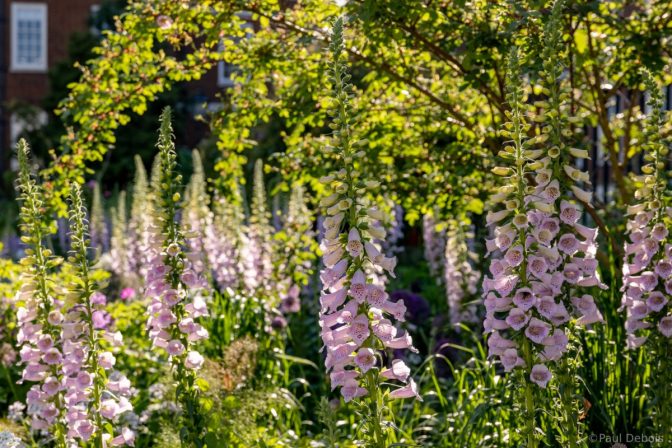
x=29, y=41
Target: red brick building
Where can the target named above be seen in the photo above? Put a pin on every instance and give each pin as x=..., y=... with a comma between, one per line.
x=34, y=35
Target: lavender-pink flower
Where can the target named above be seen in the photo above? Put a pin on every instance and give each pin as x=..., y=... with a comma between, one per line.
x=357, y=316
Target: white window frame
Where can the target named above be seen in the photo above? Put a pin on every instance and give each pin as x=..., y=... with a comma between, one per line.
x=34, y=10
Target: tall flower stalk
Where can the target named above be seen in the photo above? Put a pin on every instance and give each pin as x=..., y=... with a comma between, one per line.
x=544, y=259
x=647, y=267
x=223, y=243
x=433, y=245
x=197, y=216
x=95, y=395
x=257, y=244
x=138, y=223
x=173, y=287
x=119, y=243
x=295, y=251
x=99, y=232
x=357, y=315
x=39, y=315
x=460, y=278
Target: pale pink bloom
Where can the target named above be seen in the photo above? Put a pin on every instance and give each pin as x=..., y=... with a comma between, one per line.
x=647, y=281
x=633, y=342
x=514, y=256
x=543, y=236
x=165, y=318
x=51, y=386
x=197, y=308
x=632, y=325
x=656, y=301
x=659, y=232
x=504, y=237
x=668, y=286
x=665, y=326
x=584, y=304
x=109, y=408
x=106, y=360
x=638, y=309
x=365, y=359
x=399, y=371
x=664, y=269
x=98, y=298
x=330, y=276
x=341, y=377
x=336, y=337
x=540, y=375
x=194, y=360
x=497, y=267
x=333, y=254
x=510, y=359
x=376, y=296
x=524, y=299
x=389, y=264
x=127, y=437
x=588, y=233
x=403, y=341
x=396, y=309
x=559, y=315
x=568, y=244
x=542, y=177
x=84, y=379
x=569, y=213
x=537, y=266
x=590, y=318
x=505, y=284
x=351, y=390
x=494, y=217
x=190, y=278
x=650, y=246
x=358, y=287
x=517, y=318
x=492, y=324
x=44, y=343
x=384, y=330
x=408, y=391
x=359, y=329
x=537, y=330
x=572, y=273
x=52, y=356
x=552, y=192
x=494, y=304
x=175, y=348
x=171, y=297
x=497, y=344
x=84, y=429
x=164, y=22
x=354, y=245
x=55, y=317
x=331, y=301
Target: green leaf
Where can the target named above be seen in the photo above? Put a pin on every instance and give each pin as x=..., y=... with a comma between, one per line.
x=296, y=360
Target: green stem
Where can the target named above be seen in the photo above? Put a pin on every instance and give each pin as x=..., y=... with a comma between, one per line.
x=570, y=418
x=379, y=439
x=530, y=410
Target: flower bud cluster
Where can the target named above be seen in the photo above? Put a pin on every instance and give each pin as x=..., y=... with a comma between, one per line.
x=647, y=267
x=542, y=256
x=357, y=316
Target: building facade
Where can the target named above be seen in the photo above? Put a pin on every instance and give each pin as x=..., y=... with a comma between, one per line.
x=34, y=35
